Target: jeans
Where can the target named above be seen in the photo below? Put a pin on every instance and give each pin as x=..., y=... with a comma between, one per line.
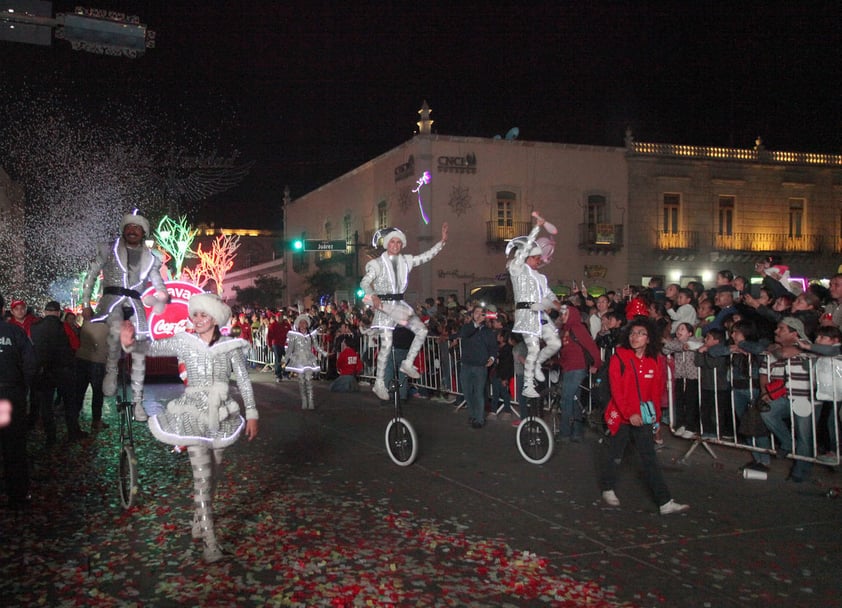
x=389, y=373
x=612, y=455
x=473, y=384
x=500, y=391
x=779, y=411
x=89, y=372
x=279, y=352
x=572, y=423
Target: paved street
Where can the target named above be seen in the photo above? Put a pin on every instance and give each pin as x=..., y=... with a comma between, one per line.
x=315, y=514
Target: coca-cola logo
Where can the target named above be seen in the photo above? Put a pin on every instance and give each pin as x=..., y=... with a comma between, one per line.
x=175, y=317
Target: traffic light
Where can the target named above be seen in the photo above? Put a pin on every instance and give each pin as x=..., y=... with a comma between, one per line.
x=298, y=245
x=360, y=293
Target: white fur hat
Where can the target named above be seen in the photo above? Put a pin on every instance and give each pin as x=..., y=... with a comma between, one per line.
x=519, y=242
x=384, y=235
x=299, y=318
x=212, y=305
x=135, y=218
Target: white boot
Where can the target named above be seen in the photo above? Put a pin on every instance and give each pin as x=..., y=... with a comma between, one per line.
x=381, y=391
x=139, y=412
x=409, y=369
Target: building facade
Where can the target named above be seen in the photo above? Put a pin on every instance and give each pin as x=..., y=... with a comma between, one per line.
x=697, y=210
x=486, y=190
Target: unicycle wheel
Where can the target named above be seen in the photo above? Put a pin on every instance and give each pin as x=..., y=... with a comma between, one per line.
x=535, y=440
x=401, y=442
x=127, y=476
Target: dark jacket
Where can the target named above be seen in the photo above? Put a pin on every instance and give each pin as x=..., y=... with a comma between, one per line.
x=52, y=347
x=478, y=344
x=17, y=357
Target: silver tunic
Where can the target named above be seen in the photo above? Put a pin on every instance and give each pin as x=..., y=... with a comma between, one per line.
x=205, y=414
x=381, y=278
x=112, y=260
x=529, y=286
x=301, y=352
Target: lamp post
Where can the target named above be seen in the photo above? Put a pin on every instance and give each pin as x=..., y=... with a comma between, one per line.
x=287, y=201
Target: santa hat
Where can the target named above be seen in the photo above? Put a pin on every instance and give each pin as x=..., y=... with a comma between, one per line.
x=384, y=235
x=137, y=220
x=212, y=305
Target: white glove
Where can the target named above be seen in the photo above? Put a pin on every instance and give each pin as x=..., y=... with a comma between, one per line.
x=537, y=306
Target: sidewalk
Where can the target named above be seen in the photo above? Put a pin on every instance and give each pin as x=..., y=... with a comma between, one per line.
x=316, y=514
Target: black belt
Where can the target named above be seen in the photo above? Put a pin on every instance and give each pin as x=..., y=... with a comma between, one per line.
x=394, y=297
x=523, y=305
x=121, y=291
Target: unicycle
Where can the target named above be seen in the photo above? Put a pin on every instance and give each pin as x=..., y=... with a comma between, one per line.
x=401, y=440
x=127, y=463
x=534, y=437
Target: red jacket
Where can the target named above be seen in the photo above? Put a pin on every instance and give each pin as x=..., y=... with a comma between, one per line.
x=277, y=333
x=349, y=362
x=625, y=401
x=571, y=356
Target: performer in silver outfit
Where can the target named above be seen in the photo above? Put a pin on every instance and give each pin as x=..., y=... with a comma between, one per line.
x=532, y=299
x=127, y=265
x=205, y=418
x=302, y=348
x=384, y=283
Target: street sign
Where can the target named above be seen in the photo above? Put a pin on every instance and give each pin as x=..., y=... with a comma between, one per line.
x=316, y=245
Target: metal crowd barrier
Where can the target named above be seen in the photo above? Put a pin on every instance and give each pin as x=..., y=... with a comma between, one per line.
x=707, y=437
x=439, y=367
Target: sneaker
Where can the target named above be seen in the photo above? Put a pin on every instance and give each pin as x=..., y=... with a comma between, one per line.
x=409, y=369
x=609, y=498
x=539, y=374
x=139, y=412
x=688, y=434
x=379, y=389
x=671, y=507
x=109, y=384
x=530, y=392
x=827, y=458
x=679, y=432
x=98, y=425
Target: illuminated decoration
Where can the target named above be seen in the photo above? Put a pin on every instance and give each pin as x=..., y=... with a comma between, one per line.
x=86, y=29
x=214, y=264
x=175, y=237
x=424, y=179
x=175, y=317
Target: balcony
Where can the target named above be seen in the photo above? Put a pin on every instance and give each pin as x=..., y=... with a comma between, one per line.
x=766, y=241
x=497, y=236
x=601, y=238
x=683, y=240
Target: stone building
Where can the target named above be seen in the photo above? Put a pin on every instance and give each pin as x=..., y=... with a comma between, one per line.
x=486, y=190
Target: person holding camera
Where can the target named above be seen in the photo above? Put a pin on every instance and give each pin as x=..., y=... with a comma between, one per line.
x=479, y=353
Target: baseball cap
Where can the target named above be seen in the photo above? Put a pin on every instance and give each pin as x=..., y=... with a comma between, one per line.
x=52, y=306
x=795, y=325
x=17, y=303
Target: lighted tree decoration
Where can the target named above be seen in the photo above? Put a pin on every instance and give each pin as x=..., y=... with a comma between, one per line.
x=214, y=264
x=175, y=237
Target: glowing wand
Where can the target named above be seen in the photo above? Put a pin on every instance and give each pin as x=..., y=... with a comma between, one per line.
x=424, y=179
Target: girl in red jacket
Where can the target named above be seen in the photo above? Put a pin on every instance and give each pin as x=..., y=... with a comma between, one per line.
x=635, y=377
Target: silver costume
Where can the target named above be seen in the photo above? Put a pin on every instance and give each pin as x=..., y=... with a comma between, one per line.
x=126, y=282
x=205, y=418
x=387, y=277
x=302, y=359
x=532, y=297
x=205, y=415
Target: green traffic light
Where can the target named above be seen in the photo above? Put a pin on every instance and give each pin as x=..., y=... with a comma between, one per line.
x=360, y=293
x=298, y=245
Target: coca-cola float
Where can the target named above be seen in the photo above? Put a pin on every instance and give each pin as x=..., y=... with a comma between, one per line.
x=174, y=319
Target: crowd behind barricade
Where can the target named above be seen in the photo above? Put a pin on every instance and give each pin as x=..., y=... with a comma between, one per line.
x=730, y=358
x=756, y=371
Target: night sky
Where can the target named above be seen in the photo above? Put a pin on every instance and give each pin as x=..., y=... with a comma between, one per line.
x=310, y=90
